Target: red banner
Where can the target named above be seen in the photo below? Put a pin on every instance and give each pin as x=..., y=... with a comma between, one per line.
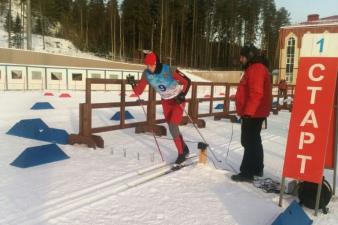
x=310, y=139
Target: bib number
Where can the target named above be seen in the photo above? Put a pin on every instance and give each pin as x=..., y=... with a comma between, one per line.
x=162, y=88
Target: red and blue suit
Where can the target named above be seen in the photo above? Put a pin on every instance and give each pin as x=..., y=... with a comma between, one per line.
x=168, y=84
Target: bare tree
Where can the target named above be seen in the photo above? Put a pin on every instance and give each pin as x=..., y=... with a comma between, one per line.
x=29, y=25
x=9, y=24
x=161, y=35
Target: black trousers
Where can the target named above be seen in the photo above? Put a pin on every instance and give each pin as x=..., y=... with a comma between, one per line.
x=252, y=162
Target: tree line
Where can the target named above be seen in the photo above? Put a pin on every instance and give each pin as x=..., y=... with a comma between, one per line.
x=204, y=34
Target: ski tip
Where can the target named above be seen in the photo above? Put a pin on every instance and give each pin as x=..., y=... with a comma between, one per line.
x=177, y=166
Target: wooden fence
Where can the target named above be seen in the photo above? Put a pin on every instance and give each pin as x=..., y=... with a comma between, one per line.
x=151, y=124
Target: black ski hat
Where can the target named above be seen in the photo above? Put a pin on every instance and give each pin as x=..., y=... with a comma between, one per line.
x=253, y=55
x=249, y=51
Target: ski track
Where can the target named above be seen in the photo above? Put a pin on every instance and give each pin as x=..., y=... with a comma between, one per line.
x=107, y=198
x=76, y=200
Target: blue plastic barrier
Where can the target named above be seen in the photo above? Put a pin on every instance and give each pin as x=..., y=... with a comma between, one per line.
x=127, y=115
x=36, y=129
x=293, y=215
x=39, y=155
x=42, y=105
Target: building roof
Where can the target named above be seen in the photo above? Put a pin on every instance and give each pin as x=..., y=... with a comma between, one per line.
x=317, y=20
x=314, y=21
x=331, y=18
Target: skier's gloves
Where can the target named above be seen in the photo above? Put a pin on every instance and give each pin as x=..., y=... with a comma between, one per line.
x=131, y=80
x=180, y=98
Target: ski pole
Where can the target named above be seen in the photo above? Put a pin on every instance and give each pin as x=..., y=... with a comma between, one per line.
x=199, y=132
x=152, y=131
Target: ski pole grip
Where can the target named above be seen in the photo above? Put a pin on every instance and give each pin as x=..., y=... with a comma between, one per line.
x=203, y=157
x=202, y=145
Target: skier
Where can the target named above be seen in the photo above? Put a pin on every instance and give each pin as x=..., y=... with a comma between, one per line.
x=167, y=83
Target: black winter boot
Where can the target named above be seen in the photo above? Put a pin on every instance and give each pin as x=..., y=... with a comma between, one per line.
x=242, y=178
x=186, y=151
x=180, y=159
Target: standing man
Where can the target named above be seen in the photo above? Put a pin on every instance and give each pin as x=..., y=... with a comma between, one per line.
x=253, y=104
x=167, y=83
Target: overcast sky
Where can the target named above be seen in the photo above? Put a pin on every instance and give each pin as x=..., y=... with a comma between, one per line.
x=299, y=9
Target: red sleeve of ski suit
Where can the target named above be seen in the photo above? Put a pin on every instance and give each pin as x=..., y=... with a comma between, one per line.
x=141, y=85
x=182, y=79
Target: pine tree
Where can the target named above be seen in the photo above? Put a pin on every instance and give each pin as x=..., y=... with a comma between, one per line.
x=137, y=26
x=17, y=33
x=96, y=27
x=114, y=20
x=269, y=28
x=8, y=23
x=197, y=33
x=3, y=7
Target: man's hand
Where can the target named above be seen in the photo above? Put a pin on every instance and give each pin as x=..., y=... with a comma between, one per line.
x=180, y=98
x=131, y=80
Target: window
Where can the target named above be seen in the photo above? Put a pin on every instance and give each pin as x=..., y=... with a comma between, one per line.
x=95, y=75
x=113, y=76
x=56, y=76
x=77, y=76
x=16, y=74
x=36, y=75
x=290, y=59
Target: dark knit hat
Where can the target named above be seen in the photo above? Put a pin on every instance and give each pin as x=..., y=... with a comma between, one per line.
x=249, y=51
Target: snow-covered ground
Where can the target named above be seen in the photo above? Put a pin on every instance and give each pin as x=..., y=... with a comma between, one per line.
x=53, y=45
x=90, y=187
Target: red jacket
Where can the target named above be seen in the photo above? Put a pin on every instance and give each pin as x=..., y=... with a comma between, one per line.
x=253, y=97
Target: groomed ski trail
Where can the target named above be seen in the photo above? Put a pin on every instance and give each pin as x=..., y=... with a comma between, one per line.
x=94, y=194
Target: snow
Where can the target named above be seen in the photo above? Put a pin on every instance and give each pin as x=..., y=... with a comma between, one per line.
x=53, y=45
x=192, y=76
x=98, y=186
x=107, y=186
x=321, y=24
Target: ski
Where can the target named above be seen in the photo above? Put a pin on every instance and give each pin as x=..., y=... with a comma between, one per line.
x=177, y=167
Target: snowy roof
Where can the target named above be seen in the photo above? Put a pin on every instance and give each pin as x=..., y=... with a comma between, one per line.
x=310, y=25
x=326, y=21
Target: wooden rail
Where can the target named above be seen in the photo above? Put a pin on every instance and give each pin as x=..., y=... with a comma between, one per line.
x=151, y=124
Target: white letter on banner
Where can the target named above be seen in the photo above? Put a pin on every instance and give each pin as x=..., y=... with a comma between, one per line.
x=313, y=93
x=313, y=120
x=321, y=77
x=302, y=140
x=302, y=165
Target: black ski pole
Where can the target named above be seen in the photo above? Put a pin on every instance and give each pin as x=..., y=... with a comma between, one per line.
x=208, y=146
x=152, y=131
x=199, y=132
